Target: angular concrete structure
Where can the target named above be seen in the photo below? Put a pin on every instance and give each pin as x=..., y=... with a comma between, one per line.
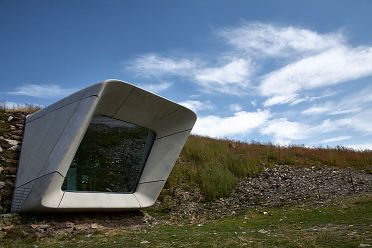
x=108, y=147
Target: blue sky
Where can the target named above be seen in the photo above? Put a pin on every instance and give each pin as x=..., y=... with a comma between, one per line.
x=289, y=72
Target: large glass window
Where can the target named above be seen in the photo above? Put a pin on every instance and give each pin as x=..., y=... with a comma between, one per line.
x=110, y=158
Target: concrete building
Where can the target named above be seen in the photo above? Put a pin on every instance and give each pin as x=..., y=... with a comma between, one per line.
x=108, y=147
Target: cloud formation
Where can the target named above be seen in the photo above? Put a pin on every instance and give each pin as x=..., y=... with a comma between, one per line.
x=284, y=131
x=293, y=70
x=240, y=123
x=264, y=39
x=328, y=68
x=336, y=139
x=197, y=106
x=48, y=91
x=149, y=65
x=230, y=78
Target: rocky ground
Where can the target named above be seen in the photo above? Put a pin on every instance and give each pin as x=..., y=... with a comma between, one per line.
x=275, y=186
x=11, y=133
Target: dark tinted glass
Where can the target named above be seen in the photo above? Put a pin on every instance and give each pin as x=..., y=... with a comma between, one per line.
x=110, y=157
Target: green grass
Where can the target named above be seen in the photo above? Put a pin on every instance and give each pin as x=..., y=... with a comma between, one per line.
x=215, y=166
x=344, y=225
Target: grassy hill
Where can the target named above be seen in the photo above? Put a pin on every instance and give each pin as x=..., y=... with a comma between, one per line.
x=216, y=165
x=221, y=193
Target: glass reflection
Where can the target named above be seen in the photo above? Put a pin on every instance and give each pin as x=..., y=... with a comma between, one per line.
x=110, y=158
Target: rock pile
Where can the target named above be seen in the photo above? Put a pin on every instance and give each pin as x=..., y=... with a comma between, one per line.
x=277, y=186
x=10, y=147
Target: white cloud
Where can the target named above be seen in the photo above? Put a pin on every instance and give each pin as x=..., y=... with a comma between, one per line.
x=231, y=78
x=351, y=103
x=155, y=65
x=156, y=88
x=240, y=123
x=271, y=40
x=329, y=108
x=336, y=139
x=361, y=146
x=282, y=99
x=235, y=107
x=197, y=106
x=285, y=131
x=235, y=72
x=310, y=98
x=361, y=121
x=317, y=109
x=330, y=67
x=49, y=91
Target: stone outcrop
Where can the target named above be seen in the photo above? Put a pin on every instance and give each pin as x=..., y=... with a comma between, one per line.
x=10, y=147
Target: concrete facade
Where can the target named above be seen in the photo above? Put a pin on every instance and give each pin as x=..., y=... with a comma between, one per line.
x=53, y=135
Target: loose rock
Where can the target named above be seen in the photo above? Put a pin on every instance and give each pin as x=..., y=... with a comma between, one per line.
x=14, y=148
x=12, y=142
x=278, y=186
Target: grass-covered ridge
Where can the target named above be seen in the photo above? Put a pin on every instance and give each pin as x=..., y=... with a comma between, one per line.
x=341, y=225
x=216, y=165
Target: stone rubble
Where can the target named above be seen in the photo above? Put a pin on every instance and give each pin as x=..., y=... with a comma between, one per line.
x=10, y=147
x=278, y=186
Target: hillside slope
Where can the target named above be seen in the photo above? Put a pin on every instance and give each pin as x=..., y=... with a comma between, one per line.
x=212, y=179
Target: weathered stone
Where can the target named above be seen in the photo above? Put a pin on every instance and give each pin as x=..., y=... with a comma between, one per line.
x=11, y=161
x=14, y=148
x=18, y=132
x=94, y=226
x=12, y=142
x=2, y=185
x=10, y=118
x=1, y=149
x=16, y=137
x=10, y=218
x=10, y=170
x=69, y=224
